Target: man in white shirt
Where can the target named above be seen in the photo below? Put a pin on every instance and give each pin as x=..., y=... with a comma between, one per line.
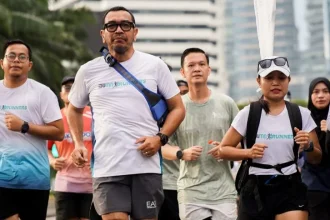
x=29, y=115
x=126, y=159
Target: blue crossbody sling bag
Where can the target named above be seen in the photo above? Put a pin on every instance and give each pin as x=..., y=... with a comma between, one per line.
x=156, y=102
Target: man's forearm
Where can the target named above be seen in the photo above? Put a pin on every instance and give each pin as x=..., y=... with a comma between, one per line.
x=169, y=152
x=173, y=120
x=47, y=132
x=75, y=121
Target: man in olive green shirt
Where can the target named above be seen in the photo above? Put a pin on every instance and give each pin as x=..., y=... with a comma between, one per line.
x=206, y=187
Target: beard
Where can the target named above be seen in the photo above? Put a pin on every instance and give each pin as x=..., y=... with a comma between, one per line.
x=120, y=49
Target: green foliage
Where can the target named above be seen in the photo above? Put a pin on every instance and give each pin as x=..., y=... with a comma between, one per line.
x=300, y=102
x=54, y=37
x=242, y=105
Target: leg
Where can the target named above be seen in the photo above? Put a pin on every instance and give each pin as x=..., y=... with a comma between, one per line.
x=112, y=197
x=33, y=204
x=84, y=202
x=65, y=206
x=115, y=216
x=8, y=203
x=297, y=214
x=147, y=196
x=170, y=207
x=14, y=217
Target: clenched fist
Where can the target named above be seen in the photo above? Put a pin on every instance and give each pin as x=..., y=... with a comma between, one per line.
x=13, y=122
x=257, y=151
x=58, y=163
x=323, y=125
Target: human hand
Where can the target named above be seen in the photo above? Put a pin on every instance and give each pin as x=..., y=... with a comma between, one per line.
x=149, y=145
x=215, y=151
x=257, y=151
x=13, y=122
x=323, y=125
x=192, y=153
x=79, y=156
x=301, y=138
x=58, y=163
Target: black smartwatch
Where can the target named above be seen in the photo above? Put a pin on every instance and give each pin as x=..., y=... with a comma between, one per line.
x=25, y=127
x=310, y=148
x=163, y=138
x=179, y=154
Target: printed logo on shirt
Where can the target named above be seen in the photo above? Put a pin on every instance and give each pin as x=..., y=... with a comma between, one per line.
x=13, y=107
x=87, y=136
x=118, y=84
x=270, y=136
x=151, y=205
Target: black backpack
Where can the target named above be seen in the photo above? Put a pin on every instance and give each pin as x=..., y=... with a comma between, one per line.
x=251, y=134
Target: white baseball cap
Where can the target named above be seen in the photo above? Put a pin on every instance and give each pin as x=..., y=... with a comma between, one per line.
x=276, y=64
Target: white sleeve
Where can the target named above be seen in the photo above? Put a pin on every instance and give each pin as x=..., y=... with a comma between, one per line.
x=308, y=123
x=78, y=95
x=165, y=81
x=240, y=121
x=50, y=109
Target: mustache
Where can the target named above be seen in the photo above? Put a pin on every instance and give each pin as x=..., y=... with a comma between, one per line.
x=119, y=36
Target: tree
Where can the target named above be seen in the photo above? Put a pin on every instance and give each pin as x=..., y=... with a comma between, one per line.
x=54, y=36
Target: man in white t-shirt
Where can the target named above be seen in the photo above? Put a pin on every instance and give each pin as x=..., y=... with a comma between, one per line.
x=126, y=158
x=29, y=115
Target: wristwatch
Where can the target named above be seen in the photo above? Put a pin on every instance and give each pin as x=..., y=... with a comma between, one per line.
x=179, y=154
x=310, y=148
x=25, y=127
x=163, y=138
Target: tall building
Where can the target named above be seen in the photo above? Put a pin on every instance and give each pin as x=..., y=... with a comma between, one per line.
x=242, y=47
x=316, y=58
x=167, y=28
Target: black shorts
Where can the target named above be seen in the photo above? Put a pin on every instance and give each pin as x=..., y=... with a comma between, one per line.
x=28, y=204
x=259, y=201
x=319, y=205
x=139, y=195
x=72, y=205
x=170, y=207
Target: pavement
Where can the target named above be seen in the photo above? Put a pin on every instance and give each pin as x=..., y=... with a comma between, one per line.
x=51, y=213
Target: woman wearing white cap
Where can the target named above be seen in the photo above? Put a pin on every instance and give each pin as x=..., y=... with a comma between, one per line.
x=273, y=187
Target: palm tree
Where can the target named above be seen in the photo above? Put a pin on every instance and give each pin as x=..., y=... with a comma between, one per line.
x=54, y=36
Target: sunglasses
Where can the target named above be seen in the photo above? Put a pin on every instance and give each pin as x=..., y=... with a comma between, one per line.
x=67, y=88
x=278, y=61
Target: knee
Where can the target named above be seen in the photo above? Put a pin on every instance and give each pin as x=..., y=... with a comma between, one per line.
x=115, y=216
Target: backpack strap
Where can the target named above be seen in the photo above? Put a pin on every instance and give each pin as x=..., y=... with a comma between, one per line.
x=295, y=121
x=253, y=125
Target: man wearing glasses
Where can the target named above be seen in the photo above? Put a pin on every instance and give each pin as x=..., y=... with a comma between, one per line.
x=29, y=115
x=73, y=185
x=127, y=162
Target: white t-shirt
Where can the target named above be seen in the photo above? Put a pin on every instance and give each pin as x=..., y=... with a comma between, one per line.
x=121, y=113
x=276, y=133
x=23, y=157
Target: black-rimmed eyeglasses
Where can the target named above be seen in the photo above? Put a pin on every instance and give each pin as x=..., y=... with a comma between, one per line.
x=278, y=61
x=125, y=26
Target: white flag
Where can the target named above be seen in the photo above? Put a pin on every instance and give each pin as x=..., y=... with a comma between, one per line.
x=265, y=18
